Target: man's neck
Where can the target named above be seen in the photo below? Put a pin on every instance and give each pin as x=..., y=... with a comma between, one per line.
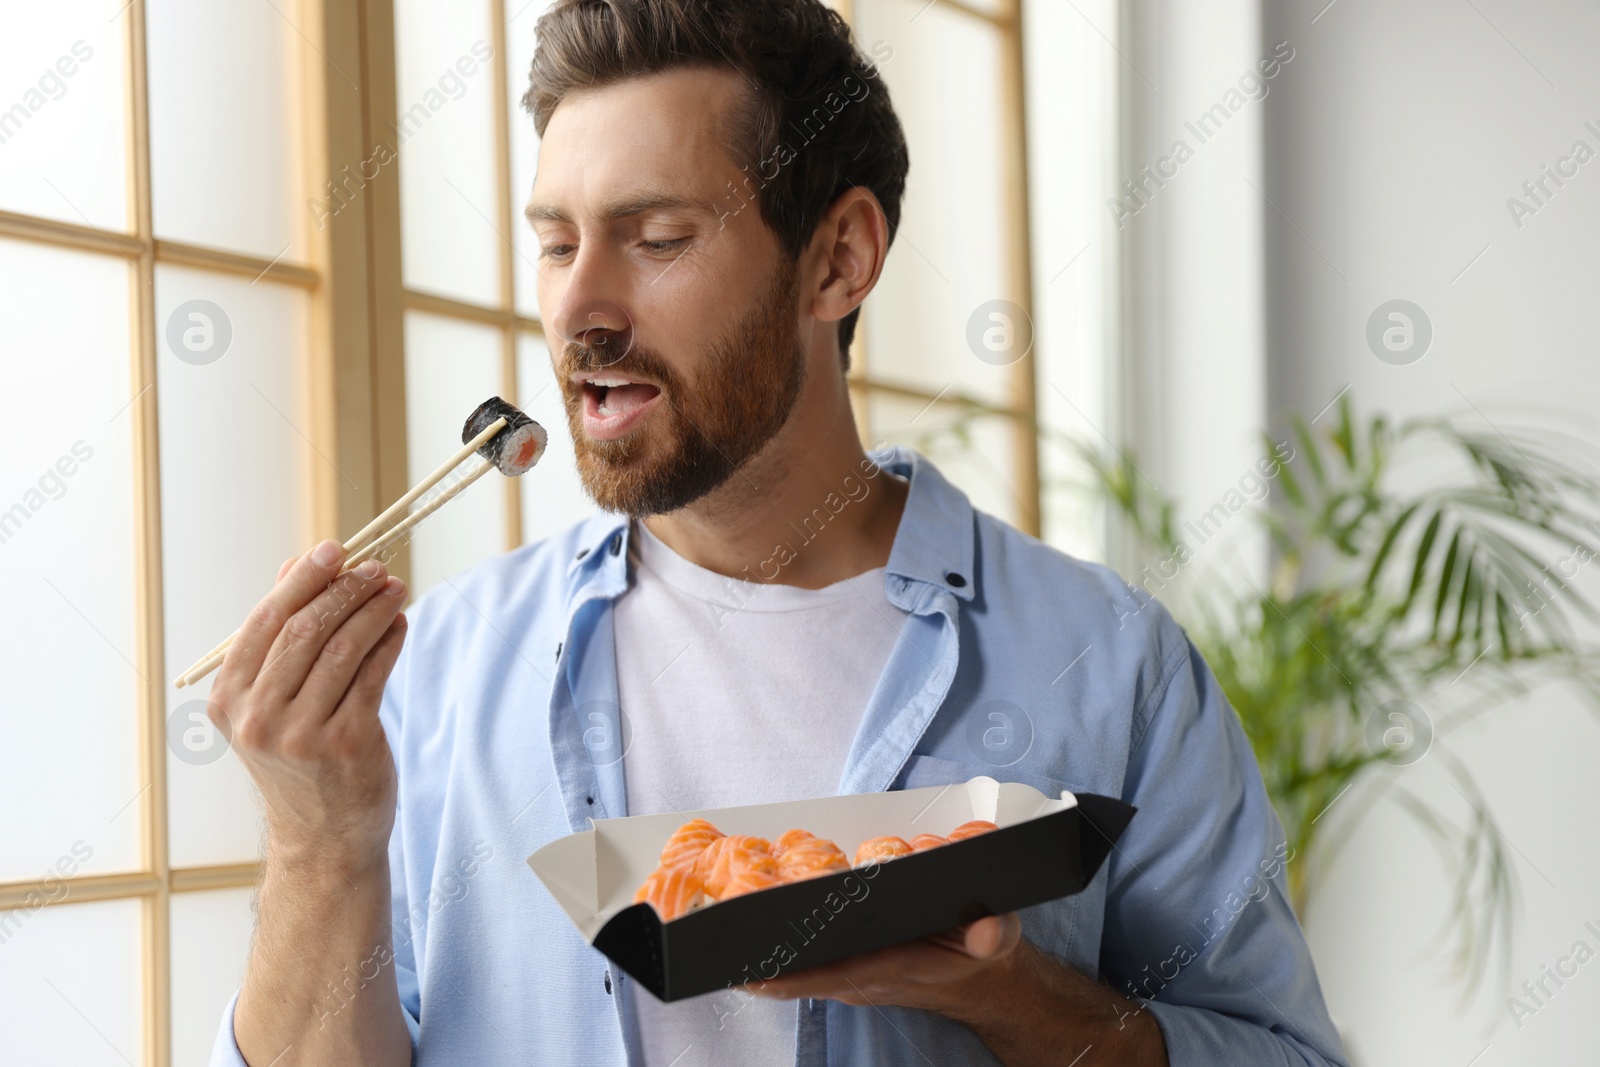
x=808, y=510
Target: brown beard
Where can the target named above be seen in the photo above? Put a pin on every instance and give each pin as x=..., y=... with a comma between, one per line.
x=745, y=387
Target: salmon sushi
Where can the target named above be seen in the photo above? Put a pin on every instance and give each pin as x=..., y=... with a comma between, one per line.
x=878, y=849
x=749, y=882
x=672, y=891
x=972, y=829
x=730, y=857
x=687, y=842
x=789, y=839
x=811, y=859
x=922, y=842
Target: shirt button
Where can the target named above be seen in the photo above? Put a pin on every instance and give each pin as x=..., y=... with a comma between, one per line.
x=582, y=553
x=608, y=981
x=589, y=799
x=616, y=544
x=955, y=579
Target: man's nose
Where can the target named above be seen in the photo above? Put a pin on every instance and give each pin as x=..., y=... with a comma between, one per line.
x=591, y=311
x=608, y=345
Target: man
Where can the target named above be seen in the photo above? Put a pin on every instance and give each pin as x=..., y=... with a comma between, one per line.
x=761, y=612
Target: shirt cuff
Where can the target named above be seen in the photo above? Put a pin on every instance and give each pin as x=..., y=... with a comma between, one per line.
x=225, y=1050
x=1198, y=1037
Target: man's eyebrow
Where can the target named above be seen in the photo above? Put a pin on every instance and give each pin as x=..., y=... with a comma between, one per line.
x=618, y=209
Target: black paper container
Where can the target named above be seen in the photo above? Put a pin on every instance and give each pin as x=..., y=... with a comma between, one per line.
x=1029, y=860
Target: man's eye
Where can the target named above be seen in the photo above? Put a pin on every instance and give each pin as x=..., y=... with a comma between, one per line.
x=555, y=251
x=665, y=246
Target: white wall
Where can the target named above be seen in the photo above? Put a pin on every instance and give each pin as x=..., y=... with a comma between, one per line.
x=1393, y=142
x=1378, y=167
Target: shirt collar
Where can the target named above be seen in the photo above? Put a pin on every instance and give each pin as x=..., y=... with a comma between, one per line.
x=933, y=545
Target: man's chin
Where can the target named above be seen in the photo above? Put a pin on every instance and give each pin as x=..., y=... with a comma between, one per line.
x=643, y=485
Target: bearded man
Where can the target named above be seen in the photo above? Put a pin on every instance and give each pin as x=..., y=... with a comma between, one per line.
x=760, y=611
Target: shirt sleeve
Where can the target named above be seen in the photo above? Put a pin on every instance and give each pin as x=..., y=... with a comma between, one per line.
x=225, y=1051
x=1199, y=927
x=401, y=926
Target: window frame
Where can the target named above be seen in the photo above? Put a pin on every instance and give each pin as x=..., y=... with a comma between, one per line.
x=356, y=367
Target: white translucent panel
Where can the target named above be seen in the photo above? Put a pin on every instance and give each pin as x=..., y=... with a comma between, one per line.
x=451, y=368
x=225, y=125
x=983, y=465
x=63, y=108
x=235, y=491
x=450, y=232
x=68, y=638
x=71, y=985
x=210, y=940
x=1072, y=156
x=949, y=257
x=553, y=497
x=988, y=7
x=520, y=42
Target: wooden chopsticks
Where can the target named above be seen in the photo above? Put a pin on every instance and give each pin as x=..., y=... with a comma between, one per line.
x=377, y=535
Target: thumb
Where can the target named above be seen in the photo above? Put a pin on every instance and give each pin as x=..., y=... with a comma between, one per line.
x=994, y=936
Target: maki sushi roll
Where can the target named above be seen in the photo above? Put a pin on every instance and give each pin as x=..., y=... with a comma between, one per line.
x=517, y=447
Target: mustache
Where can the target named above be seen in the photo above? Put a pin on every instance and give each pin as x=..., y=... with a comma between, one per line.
x=603, y=354
x=629, y=360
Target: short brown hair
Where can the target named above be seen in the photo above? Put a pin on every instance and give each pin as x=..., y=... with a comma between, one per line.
x=805, y=119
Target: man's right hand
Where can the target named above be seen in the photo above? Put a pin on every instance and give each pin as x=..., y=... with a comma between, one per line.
x=300, y=689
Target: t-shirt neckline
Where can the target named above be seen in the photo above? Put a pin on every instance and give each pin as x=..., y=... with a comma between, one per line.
x=653, y=555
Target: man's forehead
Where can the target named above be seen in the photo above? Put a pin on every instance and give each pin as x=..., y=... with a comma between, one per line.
x=658, y=141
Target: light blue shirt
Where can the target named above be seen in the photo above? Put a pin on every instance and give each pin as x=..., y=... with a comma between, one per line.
x=1015, y=661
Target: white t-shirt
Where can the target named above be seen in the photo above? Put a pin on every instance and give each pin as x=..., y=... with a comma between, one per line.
x=737, y=693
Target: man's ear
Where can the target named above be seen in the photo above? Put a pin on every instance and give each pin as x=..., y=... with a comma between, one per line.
x=846, y=254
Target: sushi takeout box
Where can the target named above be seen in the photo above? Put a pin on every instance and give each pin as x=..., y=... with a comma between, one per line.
x=1044, y=848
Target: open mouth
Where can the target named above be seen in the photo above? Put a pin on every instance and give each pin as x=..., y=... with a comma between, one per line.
x=614, y=406
x=618, y=396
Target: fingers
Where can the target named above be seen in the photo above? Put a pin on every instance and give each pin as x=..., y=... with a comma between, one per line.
x=348, y=649
x=316, y=624
x=285, y=568
x=366, y=690
x=908, y=962
x=306, y=577
x=911, y=974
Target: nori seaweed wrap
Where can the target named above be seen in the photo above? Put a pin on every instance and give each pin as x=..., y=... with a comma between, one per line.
x=517, y=447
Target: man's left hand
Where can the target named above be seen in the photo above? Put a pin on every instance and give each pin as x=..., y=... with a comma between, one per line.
x=936, y=973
